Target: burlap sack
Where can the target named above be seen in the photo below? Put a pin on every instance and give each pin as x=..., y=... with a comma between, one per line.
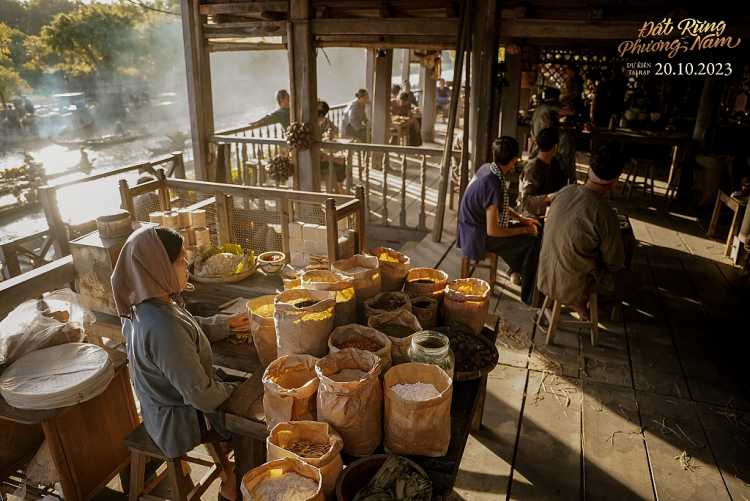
x=386, y=301
x=420, y=428
x=365, y=270
x=330, y=463
x=253, y=479
x=342, y=285
x=467, y=302
x=261, y=312
x=354, y=408
x=435, y=281
x=303, y=330
x=352, y=332
x=426, y=310
x=289, y=388
x=393, y=268
x=399, y=345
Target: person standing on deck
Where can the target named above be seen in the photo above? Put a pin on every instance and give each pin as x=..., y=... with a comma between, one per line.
x=484, y=219
x=582, y=239
x=355, y=117
x=279, y=116
x=406, y=87
x=542, y=176
x=443, y=97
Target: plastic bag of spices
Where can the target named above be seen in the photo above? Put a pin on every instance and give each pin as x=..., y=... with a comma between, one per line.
x=417, y=410
x=426, y=282
x=467, y=302
x=314, y=443
x=365, y=270
x=393, y=267
x=287, y=479
x=362, y=338
x=261, y=312
x=303, y=318
x=350, y=398
x=342, y=285
x=289, y=388
x=426, y=310
x=399, y=326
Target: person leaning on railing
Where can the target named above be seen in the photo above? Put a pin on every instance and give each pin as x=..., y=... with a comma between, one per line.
x=279, y=116
x=355, y=117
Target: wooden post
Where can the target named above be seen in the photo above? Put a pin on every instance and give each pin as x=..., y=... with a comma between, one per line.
x=332, y=231
x=405, y=65
x=511, y=96
x=9, y=258
x=125, y=199
x=165, y=203
x=707, y=110
x=483, y=61
x=198, y=72
x=370, y=79
x=402, y=212
x=463, y=34
x=429, y=104
x=361, y=220
x=285, y=212
x=224, y=218
x=381, y=98
x=178, y=165
x=463, y=175
x=303, y=79
x=223, y=163
x=57, y=228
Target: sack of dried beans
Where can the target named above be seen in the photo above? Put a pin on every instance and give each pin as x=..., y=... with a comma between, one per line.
x=467, y=302
x=386, y=301
x=289, y=388
x=393, y=267
x=313, y=442
x=342, y=285
x=399, y=326
x=288, y=478
x=261, y=311
x=304, y=318
x=362, y=338
x=426, y=310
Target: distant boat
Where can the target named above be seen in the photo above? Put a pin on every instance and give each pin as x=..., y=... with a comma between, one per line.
x=97, y=142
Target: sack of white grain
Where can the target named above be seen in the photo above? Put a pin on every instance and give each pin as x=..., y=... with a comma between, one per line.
x=393, y=268
x=350, y=398
x=303, y=319
x=426, y=282
x=362, y=338
x=426, y=310
x=342, y=285
x=467, y=301
x=289, y=388
x=287, y=479
x=314, y=443
x=261, y=311
x=365, y=270
x=398, y=326
x=385, y=302
x=417, y=410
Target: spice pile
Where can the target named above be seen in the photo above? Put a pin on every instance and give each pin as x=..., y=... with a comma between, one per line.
x=345, y=375
x=289, y=487
x=470, y=352
x=306, y=449
x=266, y=310
x=416, y=391
x=387, y=257
x=395, y=330
x=361, y=344
x=389, y=302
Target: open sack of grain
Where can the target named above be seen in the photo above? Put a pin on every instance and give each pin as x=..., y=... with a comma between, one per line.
x=393, y=268
x=350, y=398
x=426, y=282
x=286, y=479
x=417, y=410
x=261, y=312
x=467, y=302
x=399, y=326
x=361, y=338
x=386, y=301
x=342, y=285
x=365, y=270
x=427, y=311
x=313, y=442
x=289, y=388
x=304, y=318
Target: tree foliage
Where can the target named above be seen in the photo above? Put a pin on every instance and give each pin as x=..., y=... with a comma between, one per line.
x=10, y=80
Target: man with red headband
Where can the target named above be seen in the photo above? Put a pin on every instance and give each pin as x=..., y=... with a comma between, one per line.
x=582, y=240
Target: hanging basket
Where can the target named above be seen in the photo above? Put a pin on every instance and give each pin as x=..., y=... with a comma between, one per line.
x=299, y=136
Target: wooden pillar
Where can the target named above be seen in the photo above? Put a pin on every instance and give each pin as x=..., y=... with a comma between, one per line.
x=483, y=61
x=405, y=65
x=303, y=79
x=429, y=105
x=707, y=111
x=381, y=96
x=511, y=96
x=198, y=73
x=370, y=79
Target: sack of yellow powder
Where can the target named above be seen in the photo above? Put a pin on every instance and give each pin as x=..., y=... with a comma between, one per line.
x=467, y=302
x=261, y=312
x=289, y=388
x=303, y=319
x=393, y=268
x=342, y=285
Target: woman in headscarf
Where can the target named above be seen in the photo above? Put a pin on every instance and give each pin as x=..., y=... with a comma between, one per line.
x=170, y=358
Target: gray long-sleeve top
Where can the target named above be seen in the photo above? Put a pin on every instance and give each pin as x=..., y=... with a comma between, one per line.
x=171, y=365
x=355, y=115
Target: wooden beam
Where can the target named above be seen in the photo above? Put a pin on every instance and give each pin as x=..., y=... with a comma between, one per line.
x=442, y=27
x=198, y=74
x=385, y=41
x=253, y=8
x=243, y=46
x=245, y=29
x=55, y=275
x=381, y=98
x=429, y=103
x=304, y=86
x=511, y=96
x=569, y=29
x=369, y=78
x=405, y=64
x=483, y=62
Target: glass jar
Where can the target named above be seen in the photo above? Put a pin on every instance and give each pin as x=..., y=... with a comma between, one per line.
x=432, y=347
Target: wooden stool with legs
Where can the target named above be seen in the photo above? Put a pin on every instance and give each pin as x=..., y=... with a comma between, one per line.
x=644, y=167
x=467, y=270
x=142, y=447
x=553, y=319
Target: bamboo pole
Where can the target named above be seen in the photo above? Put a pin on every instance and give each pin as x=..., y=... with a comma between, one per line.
x=463, y=179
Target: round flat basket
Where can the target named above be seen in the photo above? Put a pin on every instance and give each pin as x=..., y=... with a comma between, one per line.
x=58, y=376
x=222, y=279
x=464, y=351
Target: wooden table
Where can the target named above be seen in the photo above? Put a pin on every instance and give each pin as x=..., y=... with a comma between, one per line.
x=85, y=440
x=257, y=284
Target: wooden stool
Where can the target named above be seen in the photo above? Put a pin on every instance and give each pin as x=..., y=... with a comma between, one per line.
x=645, y=168
x=143, y=447
x=553, y=319
x=467, y=270
x=734, y=204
